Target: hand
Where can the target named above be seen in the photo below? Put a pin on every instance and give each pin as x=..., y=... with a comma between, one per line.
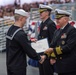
x=52, y=61
x=50, y=50
x=33, y=40
x=43, y=57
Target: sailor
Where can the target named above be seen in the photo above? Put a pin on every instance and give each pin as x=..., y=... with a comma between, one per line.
x=17, y=46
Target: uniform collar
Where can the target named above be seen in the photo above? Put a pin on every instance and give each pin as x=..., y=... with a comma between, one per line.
x=63, y=27
x=45, y=20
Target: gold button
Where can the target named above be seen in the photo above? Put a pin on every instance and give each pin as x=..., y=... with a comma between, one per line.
x=60, y=57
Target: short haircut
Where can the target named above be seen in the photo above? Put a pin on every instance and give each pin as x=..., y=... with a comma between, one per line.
x=17, y=16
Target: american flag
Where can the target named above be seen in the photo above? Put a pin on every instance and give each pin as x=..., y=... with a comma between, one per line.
x=33, y=29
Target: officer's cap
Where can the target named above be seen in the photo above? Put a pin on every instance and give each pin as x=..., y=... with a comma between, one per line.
x=21, y=12
x=61, y=13
x=44, y=8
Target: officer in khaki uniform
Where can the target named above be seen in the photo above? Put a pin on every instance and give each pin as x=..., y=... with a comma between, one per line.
x=63, y=45
x=47, y=28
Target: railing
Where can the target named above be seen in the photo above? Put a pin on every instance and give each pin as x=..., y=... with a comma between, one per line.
x=70, y=7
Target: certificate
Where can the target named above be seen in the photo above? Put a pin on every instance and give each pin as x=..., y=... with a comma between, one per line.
x=40, y=45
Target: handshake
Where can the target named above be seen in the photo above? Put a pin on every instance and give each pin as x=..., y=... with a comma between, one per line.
x=43, y=57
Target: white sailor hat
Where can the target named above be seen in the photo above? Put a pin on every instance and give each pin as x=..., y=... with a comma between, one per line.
x=44, y=8
x=61, y=13
x=21, y=12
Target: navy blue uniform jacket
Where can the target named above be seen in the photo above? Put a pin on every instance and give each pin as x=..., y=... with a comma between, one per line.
x=17, y=47
x=66, y=61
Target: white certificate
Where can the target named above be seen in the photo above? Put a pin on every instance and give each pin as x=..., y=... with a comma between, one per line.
x=40, y=45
